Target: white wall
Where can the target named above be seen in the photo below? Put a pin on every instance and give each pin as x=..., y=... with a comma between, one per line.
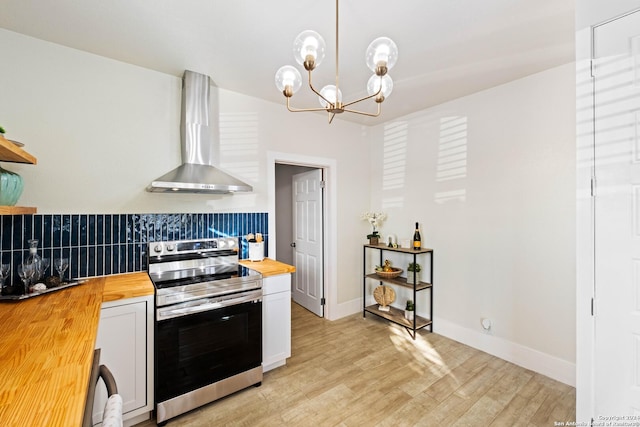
x=491, y=179
x=102, y=130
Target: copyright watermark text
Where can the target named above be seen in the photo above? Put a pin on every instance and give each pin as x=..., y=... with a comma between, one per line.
x=604, y=421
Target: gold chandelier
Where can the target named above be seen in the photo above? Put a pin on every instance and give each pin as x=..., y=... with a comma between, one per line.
x=308, y=49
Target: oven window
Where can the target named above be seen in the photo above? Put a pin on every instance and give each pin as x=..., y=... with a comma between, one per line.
x=199, y=349
x=203, y=340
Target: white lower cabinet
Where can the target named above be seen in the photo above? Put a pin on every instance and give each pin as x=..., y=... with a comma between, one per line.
x=125, y=340
x=276, y=321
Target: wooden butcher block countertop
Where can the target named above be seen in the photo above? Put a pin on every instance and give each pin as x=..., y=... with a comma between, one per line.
x=46, y=349
x=268, y=267
x=129, y=285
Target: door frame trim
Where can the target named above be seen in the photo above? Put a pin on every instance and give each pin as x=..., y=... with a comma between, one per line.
x=330, y=234
x=585, y=227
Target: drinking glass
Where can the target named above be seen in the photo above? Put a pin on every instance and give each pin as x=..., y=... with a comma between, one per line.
x=4, y=272
x=26, y=272
x=44, y=266
x=61, y=265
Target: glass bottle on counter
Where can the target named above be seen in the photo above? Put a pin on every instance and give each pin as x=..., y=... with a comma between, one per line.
x=35, y=259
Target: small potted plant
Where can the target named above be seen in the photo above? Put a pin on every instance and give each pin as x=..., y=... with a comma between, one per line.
x=409, y=310
x=413, y=273
x=375, y=219
x=374, y=238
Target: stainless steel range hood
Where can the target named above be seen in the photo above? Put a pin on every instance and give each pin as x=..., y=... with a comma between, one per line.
x=198, y=127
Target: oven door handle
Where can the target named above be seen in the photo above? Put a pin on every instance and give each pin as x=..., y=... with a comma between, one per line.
x=207, y=304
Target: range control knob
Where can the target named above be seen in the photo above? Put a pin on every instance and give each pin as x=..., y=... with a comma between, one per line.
x=171, y=247
x=231, y=243
x=222, y=243
x=157, y=248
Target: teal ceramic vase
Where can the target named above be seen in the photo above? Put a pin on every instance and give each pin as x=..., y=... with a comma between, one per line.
x=11, y=187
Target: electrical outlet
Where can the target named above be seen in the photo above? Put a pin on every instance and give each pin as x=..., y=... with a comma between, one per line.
x=486, y=324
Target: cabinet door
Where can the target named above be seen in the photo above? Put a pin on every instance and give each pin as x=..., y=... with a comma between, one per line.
x=122, y=338
x=276, y=318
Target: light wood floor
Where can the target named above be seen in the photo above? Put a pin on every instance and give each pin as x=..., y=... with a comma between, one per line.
x=367, y=372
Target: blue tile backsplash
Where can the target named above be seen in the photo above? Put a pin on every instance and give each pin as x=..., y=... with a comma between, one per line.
x=98, y=245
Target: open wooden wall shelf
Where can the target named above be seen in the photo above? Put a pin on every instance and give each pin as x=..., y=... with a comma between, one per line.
x=10, y=152
x=17, y=210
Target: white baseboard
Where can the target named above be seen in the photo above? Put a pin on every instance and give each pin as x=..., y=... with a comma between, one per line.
x=537, y=361
x=345, y=309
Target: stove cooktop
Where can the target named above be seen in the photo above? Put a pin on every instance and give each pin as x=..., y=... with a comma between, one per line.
x=188, y=270
x=194, y=276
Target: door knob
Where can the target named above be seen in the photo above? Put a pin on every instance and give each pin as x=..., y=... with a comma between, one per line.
x=293, y=244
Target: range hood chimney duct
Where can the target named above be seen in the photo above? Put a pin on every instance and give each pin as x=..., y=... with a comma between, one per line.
x=198, y=126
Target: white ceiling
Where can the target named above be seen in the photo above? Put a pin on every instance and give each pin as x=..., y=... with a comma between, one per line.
x=448, y=48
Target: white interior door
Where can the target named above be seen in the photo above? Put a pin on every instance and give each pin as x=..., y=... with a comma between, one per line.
x=307, y=282
x=617, y=217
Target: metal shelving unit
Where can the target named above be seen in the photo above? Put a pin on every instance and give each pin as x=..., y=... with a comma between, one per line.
x=396, y=315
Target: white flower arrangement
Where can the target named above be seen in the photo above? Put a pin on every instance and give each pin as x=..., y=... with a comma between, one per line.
x=375, y=219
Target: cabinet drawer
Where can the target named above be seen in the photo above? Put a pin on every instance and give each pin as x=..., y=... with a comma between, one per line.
x=275, y=284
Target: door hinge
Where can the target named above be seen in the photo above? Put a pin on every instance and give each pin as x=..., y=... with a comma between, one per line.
x=322, y=184
x=592, y=67
x=323, y=301
x=593, y=186
x=593, y=307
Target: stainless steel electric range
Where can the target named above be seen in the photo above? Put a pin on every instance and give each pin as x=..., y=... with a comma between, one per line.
x=208, y=323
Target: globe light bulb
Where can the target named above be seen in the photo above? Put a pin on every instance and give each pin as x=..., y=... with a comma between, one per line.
x=381, y=51
x=329, y=92
x=288, y=75
x=373, y=85
x=309, y=43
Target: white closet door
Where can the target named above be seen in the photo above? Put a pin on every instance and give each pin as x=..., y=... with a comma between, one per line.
x=617, y=217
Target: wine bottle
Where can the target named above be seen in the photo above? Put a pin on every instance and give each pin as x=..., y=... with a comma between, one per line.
x=417, y=241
